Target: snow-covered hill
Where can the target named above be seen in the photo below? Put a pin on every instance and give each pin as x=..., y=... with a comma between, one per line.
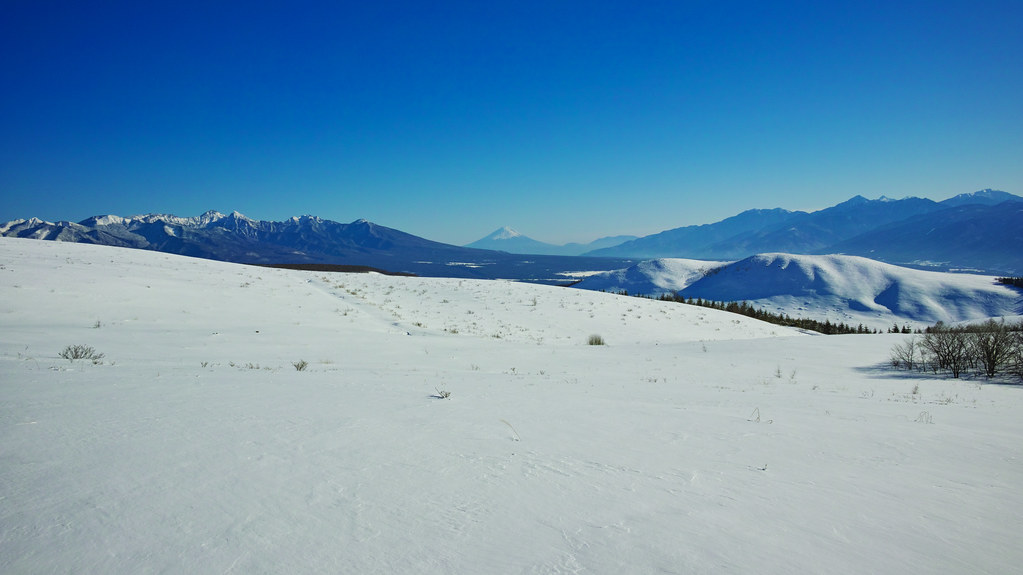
x=693, y=442
x=846, y=289
x=651, y=277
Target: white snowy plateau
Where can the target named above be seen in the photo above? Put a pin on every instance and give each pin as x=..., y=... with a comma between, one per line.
x=466, y=426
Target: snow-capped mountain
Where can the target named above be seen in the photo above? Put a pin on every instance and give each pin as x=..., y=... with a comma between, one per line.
x=987, y=197
x=503, y=233
x=234, y=237
x=506, y=239
x=968, y=232
x=848, y=289
x=301, y=240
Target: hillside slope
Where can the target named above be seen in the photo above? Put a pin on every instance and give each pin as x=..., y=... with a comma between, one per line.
x=651, y=277
x=195, y=445
x=846, y=289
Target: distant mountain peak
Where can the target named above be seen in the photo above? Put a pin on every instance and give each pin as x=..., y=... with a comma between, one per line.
x=105, y=220
x=854, y=201
x=506, y=239
x=503, y=233
x=986, y=196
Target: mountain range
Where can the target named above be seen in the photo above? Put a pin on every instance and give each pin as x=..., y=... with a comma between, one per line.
x=305, y=240
x=982, y=231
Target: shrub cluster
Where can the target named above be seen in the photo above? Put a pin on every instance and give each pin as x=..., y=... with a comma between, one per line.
x=990, y=348
x=73, y=352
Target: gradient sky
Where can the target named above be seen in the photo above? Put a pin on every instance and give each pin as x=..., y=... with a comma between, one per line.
x=565, y=120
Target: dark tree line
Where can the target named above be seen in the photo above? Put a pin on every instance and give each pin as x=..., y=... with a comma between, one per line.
x=744, y=308
x=990, y=348
x=1014, y=282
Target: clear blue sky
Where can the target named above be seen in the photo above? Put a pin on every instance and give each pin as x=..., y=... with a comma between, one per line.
x=565, y=120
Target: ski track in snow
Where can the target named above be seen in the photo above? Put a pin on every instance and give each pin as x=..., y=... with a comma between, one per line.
x=695, y=441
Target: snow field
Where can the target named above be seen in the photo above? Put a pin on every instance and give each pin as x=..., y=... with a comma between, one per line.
x=695, y=441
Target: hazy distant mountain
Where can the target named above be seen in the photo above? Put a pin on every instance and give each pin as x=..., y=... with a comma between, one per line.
x=980, y=237
x=508, y=240
x=300, y=240
x=972, y=236
x=505, y=239
x=697, y=241
x=574, y=248
x=987, y=197
x=811, y=232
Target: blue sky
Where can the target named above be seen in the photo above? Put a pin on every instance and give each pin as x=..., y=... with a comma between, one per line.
x=565, y=120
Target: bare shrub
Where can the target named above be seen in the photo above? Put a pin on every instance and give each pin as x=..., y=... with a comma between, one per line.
x=991, y=345
x=1015, y=360
x=73, y=352
x=949, y=346
x=987, y=348
x=300, y=365
x=905, y=354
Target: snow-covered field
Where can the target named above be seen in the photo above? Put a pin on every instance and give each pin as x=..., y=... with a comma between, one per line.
x=693, y=442
x=843, y=289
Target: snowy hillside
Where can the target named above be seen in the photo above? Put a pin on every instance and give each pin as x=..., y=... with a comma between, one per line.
x=694, y=441
x=847, y=289
x=651, y=277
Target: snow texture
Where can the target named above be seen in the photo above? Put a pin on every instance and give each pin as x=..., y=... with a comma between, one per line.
x=694, y=441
